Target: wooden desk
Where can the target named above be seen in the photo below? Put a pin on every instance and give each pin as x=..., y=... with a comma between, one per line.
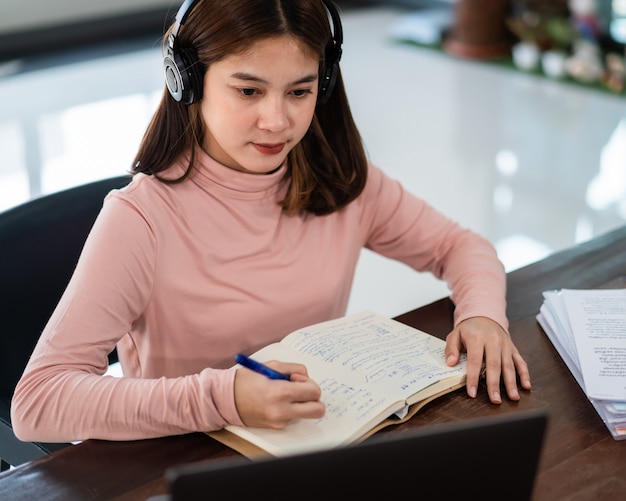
x=580, y=459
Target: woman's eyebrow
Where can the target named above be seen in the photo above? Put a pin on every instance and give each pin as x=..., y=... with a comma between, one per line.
x=248, y=77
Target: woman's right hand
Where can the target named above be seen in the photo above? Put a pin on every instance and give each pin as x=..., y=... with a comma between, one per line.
x=273, y=403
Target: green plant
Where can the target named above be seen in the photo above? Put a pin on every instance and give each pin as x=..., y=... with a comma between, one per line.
x=525, y=27
x=560, y=32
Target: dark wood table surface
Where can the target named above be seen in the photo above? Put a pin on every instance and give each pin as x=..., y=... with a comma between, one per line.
x=580, y=459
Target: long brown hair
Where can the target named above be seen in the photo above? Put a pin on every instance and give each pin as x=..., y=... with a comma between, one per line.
x=328, y=168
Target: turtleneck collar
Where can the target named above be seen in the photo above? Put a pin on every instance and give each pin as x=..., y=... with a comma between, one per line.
x=210, y=174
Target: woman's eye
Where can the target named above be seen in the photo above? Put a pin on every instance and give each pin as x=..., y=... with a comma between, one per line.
x=247, y=92
x=301, y=92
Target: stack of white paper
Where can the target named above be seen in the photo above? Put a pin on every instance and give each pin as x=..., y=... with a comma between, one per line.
x=588, y=329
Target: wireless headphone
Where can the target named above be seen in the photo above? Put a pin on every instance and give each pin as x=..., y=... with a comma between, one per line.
x=184, y=73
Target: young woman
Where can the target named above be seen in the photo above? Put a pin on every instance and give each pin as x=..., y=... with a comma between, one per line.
x=250, y=202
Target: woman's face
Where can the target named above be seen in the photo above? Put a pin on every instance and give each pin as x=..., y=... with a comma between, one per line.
x=259, y=104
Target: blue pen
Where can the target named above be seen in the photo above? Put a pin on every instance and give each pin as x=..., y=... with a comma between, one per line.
x=255, y=366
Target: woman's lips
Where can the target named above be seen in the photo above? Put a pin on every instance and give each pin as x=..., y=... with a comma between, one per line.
x=269, y=149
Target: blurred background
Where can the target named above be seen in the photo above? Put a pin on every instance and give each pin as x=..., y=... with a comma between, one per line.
x=535, y=163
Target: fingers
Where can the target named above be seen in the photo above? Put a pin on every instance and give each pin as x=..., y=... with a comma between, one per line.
x=493, y=368
x=271, y=403
x=485, y=341
x=474, y=369
x=474, y=348
x=288, y=368
x=514, y=366
x=452, y=350
x=291, y=400
x=522, y=370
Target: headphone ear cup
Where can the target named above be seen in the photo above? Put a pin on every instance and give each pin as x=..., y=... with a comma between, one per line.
x=327, y=82
x=183, y=76
x=173, y=78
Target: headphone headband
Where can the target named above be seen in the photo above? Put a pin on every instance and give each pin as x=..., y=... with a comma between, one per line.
x=182, y=14
x=332, y=56
x=337, y=29
x=184, y=73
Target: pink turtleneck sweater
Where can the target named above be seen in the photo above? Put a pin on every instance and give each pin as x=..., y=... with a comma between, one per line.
x=182, y=277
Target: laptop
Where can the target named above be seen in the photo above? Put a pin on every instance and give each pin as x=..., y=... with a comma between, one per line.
x=490, y=458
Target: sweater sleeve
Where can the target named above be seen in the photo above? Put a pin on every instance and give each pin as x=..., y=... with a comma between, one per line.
x=404, y=227
x=63, y=394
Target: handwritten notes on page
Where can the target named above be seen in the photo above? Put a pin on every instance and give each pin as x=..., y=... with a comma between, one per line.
x=368, y=367
x=377, y=350
x=588, y=329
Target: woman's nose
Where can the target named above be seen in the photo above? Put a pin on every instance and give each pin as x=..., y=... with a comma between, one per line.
x=273, y=114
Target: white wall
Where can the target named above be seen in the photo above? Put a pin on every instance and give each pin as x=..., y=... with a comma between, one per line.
x=16, y=15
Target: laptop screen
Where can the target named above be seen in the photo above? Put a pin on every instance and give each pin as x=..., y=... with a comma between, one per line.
x=486, y=458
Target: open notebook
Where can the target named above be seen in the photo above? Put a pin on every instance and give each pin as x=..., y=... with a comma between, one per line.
x=491, y=458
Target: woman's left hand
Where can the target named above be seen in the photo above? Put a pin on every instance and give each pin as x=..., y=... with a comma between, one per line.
x=486, y=341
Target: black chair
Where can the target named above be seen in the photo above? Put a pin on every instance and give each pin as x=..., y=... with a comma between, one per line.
x=40, y=242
